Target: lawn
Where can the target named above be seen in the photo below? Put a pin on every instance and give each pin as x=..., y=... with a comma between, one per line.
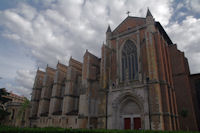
x=5, y=129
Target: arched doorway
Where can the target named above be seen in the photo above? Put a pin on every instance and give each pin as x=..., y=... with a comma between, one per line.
x=130, y=113
x=127, y=107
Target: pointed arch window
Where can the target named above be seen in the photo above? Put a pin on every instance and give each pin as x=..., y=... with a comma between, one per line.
x=129, y=61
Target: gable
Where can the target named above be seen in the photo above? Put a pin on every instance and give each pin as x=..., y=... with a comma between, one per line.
x=129, y=22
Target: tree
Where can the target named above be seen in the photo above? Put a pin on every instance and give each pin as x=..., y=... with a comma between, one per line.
x=3, y=100
x=22, y=110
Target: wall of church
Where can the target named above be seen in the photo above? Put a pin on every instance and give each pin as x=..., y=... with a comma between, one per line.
x=183, y=89
x=166, y=82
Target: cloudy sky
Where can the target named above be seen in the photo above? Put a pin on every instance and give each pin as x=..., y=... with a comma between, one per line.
x=34, y=33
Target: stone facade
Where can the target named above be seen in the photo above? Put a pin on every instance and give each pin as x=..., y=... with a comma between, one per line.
x=132, y=86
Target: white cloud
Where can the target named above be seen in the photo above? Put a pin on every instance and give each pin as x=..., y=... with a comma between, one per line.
x=57, y=31
x=67, y=28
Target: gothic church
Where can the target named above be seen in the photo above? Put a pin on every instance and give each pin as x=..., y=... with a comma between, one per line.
x=134, y=85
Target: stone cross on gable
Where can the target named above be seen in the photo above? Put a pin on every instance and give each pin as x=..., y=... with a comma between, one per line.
x=127, y=13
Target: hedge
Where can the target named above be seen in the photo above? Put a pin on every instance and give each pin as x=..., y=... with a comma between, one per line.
x=5, y=129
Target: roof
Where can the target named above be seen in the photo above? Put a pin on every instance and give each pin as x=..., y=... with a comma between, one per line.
x=128, y=17
x=90, y=54
x=75, y=61
x=61, y=64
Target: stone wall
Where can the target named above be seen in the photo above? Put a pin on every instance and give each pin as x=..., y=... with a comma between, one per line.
x=182, y=89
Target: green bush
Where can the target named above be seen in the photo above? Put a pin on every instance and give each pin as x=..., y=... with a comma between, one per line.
x=6, y=129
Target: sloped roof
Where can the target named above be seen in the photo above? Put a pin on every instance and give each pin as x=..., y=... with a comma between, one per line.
x=128, y=18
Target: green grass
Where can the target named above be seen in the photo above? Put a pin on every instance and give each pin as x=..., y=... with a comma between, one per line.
x=6, y=129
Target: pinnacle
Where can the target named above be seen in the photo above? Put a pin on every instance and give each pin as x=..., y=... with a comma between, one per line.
x=109, y=29
x=149, y=13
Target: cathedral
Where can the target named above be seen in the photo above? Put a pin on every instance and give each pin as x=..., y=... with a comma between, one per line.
x=141, y=81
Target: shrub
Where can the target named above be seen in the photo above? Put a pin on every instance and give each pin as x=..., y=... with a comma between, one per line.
x=7, y=129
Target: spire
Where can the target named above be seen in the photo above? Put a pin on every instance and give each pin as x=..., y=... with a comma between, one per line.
x=109, y=29
x=149, y=13
x=150, y=21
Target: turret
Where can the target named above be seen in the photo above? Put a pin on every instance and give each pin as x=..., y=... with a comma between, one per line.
x=149, y=18
x=109, y=29
x=108, y=35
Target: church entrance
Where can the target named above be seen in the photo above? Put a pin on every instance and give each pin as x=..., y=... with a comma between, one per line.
x=130, y=114
x=132, y=123
x=127, y=113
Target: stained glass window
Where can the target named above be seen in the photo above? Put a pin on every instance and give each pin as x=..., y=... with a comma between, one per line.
x=129, y=61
